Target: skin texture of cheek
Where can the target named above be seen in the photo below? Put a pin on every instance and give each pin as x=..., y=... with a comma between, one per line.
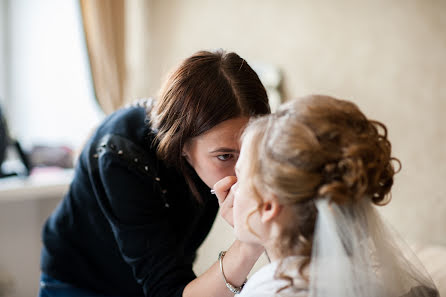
x=206, y=171
x=244, y=233
x=202, y=151
x=211, y=172
x=208, y=167
x=243, y=207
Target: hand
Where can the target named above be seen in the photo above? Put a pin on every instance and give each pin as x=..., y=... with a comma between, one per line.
x=225, y=195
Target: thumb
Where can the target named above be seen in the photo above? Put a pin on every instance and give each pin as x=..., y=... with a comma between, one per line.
x=223, y=186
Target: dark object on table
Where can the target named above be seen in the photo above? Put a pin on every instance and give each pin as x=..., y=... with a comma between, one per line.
x=422, y=291
x=5, y=142
x=44, y=156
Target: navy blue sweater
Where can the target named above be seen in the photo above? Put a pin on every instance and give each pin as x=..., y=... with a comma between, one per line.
x=129, y=225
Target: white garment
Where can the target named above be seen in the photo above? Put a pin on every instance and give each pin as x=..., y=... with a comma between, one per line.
x=264, y=284
x=355, y=253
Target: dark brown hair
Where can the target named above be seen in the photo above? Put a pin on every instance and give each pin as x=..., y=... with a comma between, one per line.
x=205, y=90
x=317, y=147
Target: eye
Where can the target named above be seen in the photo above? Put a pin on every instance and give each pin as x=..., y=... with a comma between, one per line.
x=225, y=157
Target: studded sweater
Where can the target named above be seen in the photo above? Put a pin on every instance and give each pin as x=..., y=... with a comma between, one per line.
x=128, y=225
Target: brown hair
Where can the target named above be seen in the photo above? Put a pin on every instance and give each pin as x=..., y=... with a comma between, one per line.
x=317, y=147
x=205, y=90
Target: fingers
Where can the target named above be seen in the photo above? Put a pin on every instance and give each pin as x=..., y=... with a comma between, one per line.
x=223, y=187
x=229, y=200
x=224, y=190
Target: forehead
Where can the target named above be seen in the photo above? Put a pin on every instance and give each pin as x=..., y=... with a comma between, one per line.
x=226, y=132
x=246, y=152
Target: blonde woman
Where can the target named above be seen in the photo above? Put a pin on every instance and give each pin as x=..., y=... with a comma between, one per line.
x=308, y=180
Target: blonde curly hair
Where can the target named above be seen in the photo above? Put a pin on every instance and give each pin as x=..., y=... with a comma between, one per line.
x=317, y=147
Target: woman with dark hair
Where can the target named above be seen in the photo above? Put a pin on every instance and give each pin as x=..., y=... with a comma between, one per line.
x=140, y=204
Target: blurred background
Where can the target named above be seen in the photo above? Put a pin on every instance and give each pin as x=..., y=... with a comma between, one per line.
x=65, y=64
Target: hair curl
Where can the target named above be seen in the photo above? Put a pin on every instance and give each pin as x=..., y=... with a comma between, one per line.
x=317, y=147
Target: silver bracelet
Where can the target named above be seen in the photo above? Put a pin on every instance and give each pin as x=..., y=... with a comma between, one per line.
x=231, y=288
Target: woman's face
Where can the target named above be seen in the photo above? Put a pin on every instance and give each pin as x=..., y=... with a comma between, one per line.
x=213, y=154
x=245, y=202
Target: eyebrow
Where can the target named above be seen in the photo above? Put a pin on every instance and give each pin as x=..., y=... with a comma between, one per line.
x=225, y=150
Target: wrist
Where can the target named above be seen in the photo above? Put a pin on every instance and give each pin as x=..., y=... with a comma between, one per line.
x=231, y=287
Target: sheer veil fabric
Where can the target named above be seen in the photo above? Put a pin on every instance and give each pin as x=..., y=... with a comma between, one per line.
x=356, y=254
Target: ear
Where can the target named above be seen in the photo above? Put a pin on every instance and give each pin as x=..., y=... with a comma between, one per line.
x=185, y=151
x=270, y=210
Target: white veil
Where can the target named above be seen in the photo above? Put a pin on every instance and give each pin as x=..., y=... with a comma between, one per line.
x=356, y=255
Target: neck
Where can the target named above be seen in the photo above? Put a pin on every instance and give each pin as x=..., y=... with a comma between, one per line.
x=271, y=251
x=272, y=237
x=271, y=248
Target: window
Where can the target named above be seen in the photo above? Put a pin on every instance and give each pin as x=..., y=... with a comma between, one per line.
x=46, y=83
x=3, y=21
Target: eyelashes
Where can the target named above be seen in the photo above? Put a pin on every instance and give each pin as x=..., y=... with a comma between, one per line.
x=225, y=157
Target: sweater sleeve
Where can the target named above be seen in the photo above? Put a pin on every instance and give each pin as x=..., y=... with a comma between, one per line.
x=131, y=201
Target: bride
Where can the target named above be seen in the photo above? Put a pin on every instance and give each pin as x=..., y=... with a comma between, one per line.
x=309, y=178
